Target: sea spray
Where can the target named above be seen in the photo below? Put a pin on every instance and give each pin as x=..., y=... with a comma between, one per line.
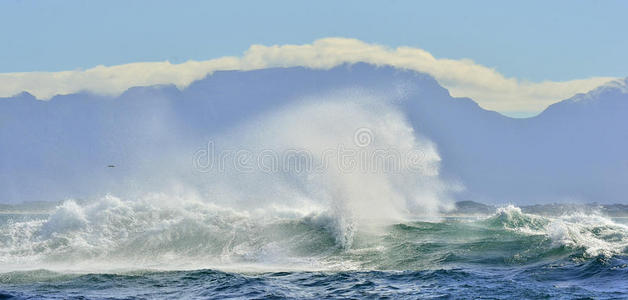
x=297, y=182
x=355, y=157
x=344, y=183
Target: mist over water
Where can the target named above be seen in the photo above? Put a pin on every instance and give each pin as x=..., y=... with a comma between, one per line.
x=337, y=165
x=353, y=157
x=333, y=190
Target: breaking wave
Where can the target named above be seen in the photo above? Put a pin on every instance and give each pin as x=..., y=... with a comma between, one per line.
x=306, y=199
x=155, y=234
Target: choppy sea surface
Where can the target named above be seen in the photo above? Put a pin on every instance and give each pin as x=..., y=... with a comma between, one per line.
x=114, y=249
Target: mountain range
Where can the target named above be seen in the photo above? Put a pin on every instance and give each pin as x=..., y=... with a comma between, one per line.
x=574, y=151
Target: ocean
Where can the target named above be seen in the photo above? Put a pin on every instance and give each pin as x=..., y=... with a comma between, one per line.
x=115, y=249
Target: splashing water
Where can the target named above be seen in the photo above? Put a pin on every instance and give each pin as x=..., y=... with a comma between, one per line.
x=358, y=160
x=338, y=166
x=343, y=186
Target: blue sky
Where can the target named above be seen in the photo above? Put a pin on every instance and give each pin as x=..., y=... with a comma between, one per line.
x=533, y=40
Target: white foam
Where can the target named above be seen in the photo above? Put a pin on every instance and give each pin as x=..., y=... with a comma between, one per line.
x=596, y=234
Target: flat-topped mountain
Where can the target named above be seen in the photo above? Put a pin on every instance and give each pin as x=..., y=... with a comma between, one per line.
x=573, y=151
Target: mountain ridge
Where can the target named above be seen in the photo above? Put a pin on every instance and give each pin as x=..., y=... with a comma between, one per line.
x=569, y=152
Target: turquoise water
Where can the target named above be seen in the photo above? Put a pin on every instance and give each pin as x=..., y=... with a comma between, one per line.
x=121, y=250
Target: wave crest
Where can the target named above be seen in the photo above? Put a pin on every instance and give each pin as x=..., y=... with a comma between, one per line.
x=592, y=233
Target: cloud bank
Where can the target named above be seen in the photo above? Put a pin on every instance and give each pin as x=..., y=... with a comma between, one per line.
x=463, y=78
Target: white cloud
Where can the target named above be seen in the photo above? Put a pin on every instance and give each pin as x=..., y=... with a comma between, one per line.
x=463, y=78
